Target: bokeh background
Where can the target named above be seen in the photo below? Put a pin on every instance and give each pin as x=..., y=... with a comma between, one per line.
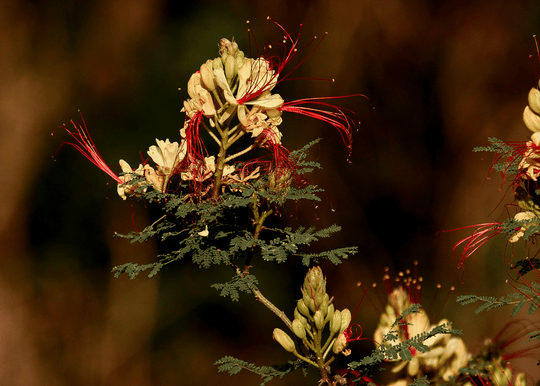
x=441, y=77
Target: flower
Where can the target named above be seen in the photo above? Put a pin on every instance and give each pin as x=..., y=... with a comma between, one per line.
x=522, y=217
x=531, y=158
x=124, y=187
x=167, y=155
x=446, y=354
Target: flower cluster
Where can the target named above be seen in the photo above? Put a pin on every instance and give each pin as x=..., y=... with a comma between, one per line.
x=446, y=355
x=230, y=97
x=444, y=359
x=312, y=314
x=518, y=162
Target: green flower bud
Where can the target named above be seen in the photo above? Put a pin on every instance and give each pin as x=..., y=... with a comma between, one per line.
x=239, y=59
x=315, y=281
x=226, y=47
x=335, y=322
x=318, y=318
x=339, y=344
x=310, y=303
x=329, y=313
x=299, y=316
x=302, y=307
x=298, y=329
x=230, y=69
x=319, y=300
x=284, y=340
x=345, y=319
x=532, y=120
x=324, y=308
x=207, y=76
x=217, y=63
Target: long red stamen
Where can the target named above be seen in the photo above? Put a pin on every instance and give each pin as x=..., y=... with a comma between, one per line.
x=480, y=236
x=341, y=118
x=87, y=148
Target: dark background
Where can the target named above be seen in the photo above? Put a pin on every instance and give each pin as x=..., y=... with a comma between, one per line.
x=442, y=76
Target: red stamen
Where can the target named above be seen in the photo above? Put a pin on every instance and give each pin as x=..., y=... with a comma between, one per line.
x=87, y=148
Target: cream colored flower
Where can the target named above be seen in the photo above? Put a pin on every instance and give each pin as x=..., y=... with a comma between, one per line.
x=446, y=355
x=129, y=174
x=522, y=216
x=255, y=75
x=201, y=100
x=200, y=173
x=156, y=179
x=167, y=155
x=531, y=158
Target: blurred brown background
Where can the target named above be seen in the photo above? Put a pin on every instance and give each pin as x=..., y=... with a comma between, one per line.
x=442, y=77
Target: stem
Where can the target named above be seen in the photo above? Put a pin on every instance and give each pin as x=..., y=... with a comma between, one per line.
x=280, y=314
x=305, y=359
x=214, y=137
x=221, y=162
x=247, y=149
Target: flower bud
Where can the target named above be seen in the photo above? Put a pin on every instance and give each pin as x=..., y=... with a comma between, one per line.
x=298, y=329
x=239, y=59
x=339, y=344
x=230, y=69
x=319, y=300
x=335, y=322
x=310, y=303
x=301, y=305
x=314, y=281
x=329, y=313
x=284, y=340
x=193, y=81
x=318, y=318
x=299, y=316
x=217, y=63
x=224, y=45
x=207, y=76
x=345, y=319
x=534, y=100
x=324, y=308
x=532, y=120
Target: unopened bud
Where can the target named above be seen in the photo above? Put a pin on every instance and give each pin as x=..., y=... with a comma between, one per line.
x=284, y=340
x=315, y=280
x=224, y=45
x=239, y=59
x=319, y=300
x=193, y=81
x=298, y=329
x=329, y=313
x=339, y=344
x=324, y=308
x=207, y=76
x=301, y=305
x=335, y=322
x=230, y=69
x=310, y=303
x=318, y=318
x=300, y=317
x=534, y=100
x=217, y=63
x=532, y=120
x=345, y=319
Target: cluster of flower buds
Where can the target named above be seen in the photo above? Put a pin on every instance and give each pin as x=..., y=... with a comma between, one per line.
x=312, y=314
